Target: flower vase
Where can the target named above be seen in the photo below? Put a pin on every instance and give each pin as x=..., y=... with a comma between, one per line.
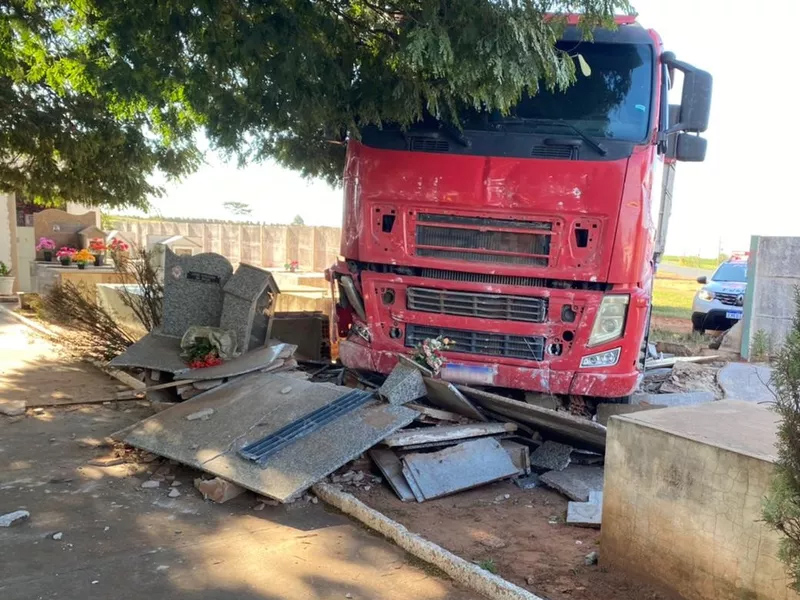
x=48, y=255
x=81, y=265
x=99, y=260
x=65, y=261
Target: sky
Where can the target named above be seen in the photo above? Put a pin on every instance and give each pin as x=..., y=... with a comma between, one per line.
x=743, y=188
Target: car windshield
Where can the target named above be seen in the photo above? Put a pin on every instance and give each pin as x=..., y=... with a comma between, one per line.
x=613, y=101
x=731, y=272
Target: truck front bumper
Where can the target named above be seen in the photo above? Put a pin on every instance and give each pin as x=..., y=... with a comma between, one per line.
x=357, y=354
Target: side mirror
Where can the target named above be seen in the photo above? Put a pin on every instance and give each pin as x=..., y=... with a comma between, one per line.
x=695, y=98
x=690, y=148
x=702, y=280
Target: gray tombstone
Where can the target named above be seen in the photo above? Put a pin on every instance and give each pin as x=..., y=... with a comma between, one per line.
x=193, y=290
x=249, y=297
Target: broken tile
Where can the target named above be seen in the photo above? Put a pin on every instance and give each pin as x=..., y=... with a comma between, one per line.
x=445, y=395
x=8, y=519
x=391, y=467
x=444, y=433
x=404, y=384
x=576, y=481
x=551, y=456
x=586, y=514
x=528, y=482
x=519, y=454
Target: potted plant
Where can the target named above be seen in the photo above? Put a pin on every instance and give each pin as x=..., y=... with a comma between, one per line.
x=118, y=250
x=292, y=266
x=98, y=248
x=46, y=247
x=6, y=280
x=83, y=258
x=65, y=254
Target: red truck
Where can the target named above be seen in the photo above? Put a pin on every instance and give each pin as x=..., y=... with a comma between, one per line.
x=529, y=239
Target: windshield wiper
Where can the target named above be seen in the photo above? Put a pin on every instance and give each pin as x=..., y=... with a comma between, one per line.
x=597, y=147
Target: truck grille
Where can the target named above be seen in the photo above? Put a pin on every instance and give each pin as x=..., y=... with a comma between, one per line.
x=468, y=304
x=473, y=239
x=478, y=342
x=729, y=299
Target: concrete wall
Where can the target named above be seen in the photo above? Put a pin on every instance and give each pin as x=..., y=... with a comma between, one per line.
x=314, y=248
x=8, y=232
x=682, y=501
x=773, y=272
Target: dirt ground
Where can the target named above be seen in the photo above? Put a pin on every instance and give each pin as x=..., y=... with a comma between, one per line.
x=523, y=537
x=671, y=324
x=94, y=533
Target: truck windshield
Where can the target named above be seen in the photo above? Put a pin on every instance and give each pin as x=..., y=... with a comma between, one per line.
x=612, y=102
x=731, y=272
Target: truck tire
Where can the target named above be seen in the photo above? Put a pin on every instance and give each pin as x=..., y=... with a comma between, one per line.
x=698, y=323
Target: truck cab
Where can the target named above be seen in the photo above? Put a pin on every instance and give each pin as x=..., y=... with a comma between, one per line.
x=525, y=238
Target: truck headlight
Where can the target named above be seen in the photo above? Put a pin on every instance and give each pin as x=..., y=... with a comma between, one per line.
x=602, y=359
x=704, y=294
x=610, y=320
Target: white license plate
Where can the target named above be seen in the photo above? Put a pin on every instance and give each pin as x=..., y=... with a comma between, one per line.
x=733, y=315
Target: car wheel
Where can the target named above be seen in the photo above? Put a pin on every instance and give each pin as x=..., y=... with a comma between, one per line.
x=698, y=322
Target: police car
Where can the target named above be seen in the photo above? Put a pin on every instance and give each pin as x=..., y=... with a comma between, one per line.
x=718, y=304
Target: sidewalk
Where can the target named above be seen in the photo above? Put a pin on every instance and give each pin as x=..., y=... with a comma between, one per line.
x=124, y=542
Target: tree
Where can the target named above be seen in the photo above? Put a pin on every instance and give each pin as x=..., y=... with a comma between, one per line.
x=782, y=506
x=287, y=80
x=238, y=208
x=298, y=220
x=68, y=129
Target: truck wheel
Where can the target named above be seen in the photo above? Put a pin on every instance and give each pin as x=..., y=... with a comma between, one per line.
x=698, y=323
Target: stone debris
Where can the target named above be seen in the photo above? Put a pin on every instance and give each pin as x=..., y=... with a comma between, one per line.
x=528, y=482
x=12, y=408
x=591, y=558
x=176, y=483
x=204, y=415
x=107, y=461
x=218, y=490
x=8, y=519
x=57, y=536
x=490, y=541
x=404, y=384
x=286, y=390
x=576, y=481
x=586, y=514
x=551, y=456
x=174, y=493
x=150, y=484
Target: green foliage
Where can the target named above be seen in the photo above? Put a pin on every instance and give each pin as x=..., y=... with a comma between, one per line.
x=761, y=346
x=298, y=220
x=72, y=127
x=488, y=565
x=4, y=270
x=782, y=506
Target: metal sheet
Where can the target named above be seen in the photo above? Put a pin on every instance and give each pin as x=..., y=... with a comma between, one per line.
x=461, y=467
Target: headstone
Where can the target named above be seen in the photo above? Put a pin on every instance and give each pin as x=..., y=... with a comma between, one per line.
x=193, y=290
x=61, y=227
x=248, y=294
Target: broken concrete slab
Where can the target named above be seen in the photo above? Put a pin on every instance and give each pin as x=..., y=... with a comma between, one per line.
x=404, y=384
x=672, y=399
x=251, y=407
x=576, y=481
x=254, y=360
x=445, y=395
x=154, y=351
x=578, y=431
x=520, y=455
x=749, y=382
x=445, y=433
x=12, y=408
x=391, y=467
x=668, y=362
x=585, y=457
x=551, y=456
x=460, y=467
x=528, y=482
x=435, y=413
x=586, y=514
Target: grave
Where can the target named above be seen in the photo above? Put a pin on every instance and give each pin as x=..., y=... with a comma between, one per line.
x=248, y=305
x=193, y=290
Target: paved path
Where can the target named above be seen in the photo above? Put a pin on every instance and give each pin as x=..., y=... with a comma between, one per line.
x=124, y=542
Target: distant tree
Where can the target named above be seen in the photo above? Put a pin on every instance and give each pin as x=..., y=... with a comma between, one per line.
x=298, y=220
x=238, y=208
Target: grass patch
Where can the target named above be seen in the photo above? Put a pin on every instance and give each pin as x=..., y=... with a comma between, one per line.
x=488, y=565
x=708, y=264
x=672, y=296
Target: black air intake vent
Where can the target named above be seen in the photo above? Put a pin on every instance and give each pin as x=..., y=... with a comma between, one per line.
x=478, y=342
x=563, y=152
x=426, y=144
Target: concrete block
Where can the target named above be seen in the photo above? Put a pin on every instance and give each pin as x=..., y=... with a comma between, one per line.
x=673, y=399
x=606, y=411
